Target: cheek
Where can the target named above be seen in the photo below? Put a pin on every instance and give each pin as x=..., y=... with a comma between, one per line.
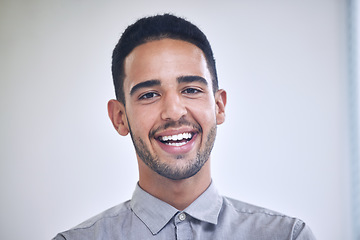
x=141, y=120
x=204, y=115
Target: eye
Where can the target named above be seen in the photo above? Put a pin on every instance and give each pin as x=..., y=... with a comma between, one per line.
x=148, y=95
x=191, y=91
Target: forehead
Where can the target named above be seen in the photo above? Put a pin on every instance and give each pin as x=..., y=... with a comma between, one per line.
x=163, y=60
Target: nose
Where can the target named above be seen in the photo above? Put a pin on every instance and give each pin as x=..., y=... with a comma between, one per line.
x=173, y=107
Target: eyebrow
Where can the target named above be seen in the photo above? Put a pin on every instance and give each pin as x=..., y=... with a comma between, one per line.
x=181, y=79
x=146, y=84
x=190, y=79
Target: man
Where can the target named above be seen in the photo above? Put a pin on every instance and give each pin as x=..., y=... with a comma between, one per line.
x=169, y=101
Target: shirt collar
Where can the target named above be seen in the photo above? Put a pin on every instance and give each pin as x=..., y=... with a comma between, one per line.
x=155, y=214
x=207, y=206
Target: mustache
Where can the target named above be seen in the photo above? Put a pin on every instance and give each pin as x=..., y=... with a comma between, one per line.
x=175, y=124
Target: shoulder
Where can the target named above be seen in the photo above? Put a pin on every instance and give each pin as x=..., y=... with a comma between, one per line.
x=259, y=220
x=246, y=208
x=107, y=215
x=99, y=223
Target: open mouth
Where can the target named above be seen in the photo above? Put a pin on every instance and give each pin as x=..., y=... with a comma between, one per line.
x=177, y=140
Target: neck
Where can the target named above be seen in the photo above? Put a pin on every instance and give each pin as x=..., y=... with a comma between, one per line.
x=178, y=193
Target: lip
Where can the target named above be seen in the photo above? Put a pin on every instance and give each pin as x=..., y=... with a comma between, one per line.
x=170, y=132
x=177, y=149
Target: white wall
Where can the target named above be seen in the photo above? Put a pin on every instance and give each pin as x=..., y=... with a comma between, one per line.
x=283, y=146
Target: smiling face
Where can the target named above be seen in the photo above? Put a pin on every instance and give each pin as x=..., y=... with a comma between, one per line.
x=171, y=111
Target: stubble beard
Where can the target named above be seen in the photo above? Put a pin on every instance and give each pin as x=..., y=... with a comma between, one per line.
x=174, y=171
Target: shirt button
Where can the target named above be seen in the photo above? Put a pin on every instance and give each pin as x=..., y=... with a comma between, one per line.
x=182, y=216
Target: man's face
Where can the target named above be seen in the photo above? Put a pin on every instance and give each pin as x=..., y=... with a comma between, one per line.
x=171, y=111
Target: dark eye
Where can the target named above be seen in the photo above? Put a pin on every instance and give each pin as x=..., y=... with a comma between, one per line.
x=191, y=91
x=149, y=95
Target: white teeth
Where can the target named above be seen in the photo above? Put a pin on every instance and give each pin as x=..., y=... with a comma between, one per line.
x=177, y=137
x=177, y=144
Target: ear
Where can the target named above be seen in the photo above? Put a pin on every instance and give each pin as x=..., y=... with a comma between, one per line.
x=117, y=114
x=220, y=101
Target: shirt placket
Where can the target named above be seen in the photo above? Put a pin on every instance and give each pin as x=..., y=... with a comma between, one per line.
x=182, y=226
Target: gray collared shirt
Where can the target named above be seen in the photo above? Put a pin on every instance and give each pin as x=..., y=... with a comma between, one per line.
x=210, y=216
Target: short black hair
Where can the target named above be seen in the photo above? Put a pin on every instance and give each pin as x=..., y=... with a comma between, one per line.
x=156, y=28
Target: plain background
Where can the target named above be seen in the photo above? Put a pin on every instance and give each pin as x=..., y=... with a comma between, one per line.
x=284, y=145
